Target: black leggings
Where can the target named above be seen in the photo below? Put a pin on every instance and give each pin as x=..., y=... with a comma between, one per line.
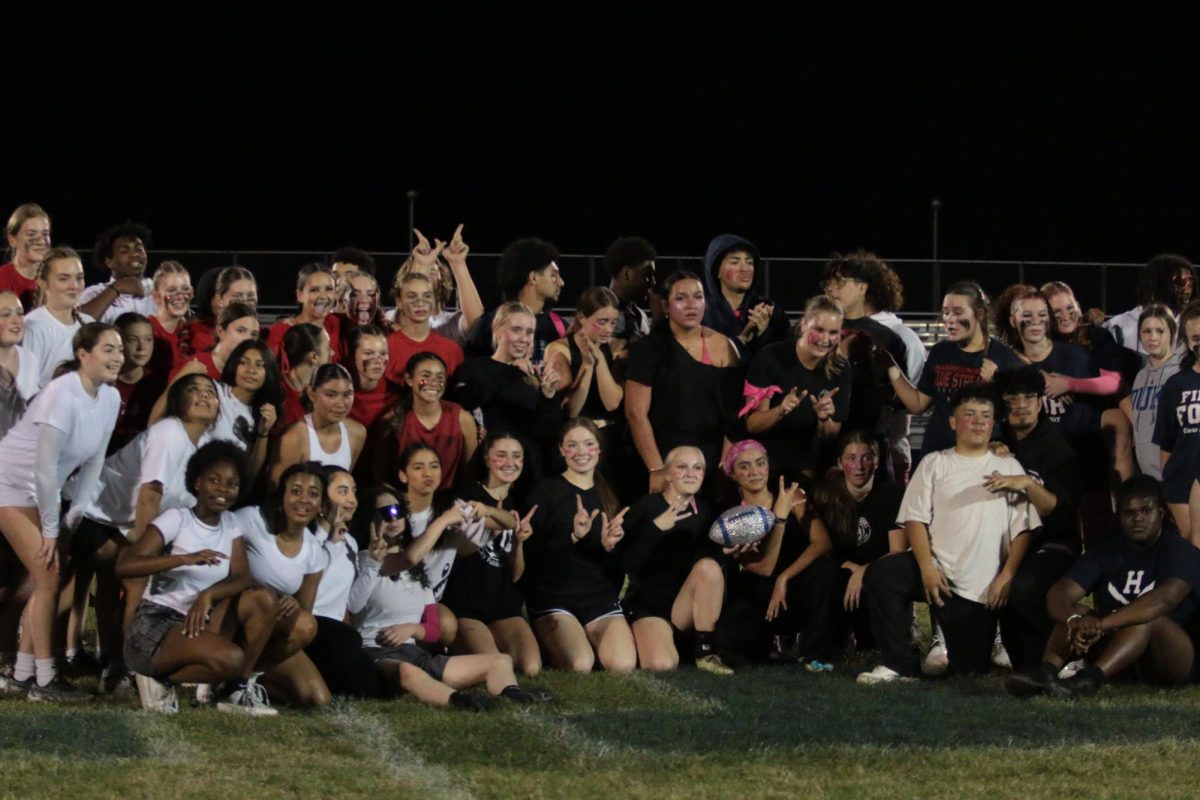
x=337, y=652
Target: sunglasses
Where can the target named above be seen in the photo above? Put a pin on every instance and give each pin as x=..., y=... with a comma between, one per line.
x=389, y=513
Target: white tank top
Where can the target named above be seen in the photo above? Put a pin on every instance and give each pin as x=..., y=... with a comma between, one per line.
x=340, y=458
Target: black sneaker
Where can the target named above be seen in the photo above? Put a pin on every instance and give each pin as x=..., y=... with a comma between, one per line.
x=59, y=690
x=540, y=695
x=1041, y=679
x=117, y=681
x=1084, y=683
x=12, y=687
x=518, y=695
x=82, y=664
x=468, y=701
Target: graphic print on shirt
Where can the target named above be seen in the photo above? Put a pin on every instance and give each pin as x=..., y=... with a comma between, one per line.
x=1056, y=407
x=1188, y=411
x=949, y=378
x=1133, y=588
x=864, y=532
x=496, y=548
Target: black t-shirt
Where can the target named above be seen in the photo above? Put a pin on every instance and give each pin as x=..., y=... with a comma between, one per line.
x=556, y=568
x=507, y=400
x=876, y=519
x=871, y=391
x=483, y=579
x=691, y=403
x=1116, y=573
x=593, y=405
x=947, y=370
x=1046, y=454
x=655, y=558
x=792, y=443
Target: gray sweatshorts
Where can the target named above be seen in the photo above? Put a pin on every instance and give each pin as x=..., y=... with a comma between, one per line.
x=145, y=635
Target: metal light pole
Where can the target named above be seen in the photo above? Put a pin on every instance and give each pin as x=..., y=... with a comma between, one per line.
x=936, y=206
x=411, y=194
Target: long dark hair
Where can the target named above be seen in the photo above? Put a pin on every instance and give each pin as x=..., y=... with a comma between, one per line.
x=833, y=502
x=272, y=389
x=609, y=503
x=86, y=339
x=662, y=328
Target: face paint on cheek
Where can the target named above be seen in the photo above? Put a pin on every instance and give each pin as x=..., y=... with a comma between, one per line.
x=814, y=338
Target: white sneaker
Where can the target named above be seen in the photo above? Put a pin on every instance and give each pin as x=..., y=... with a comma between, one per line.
x=1000, y=655
x=881, y=674
x=156, y=696
x=251, y=701
x=1071, y=668
x=205, y=695
x=938, y=658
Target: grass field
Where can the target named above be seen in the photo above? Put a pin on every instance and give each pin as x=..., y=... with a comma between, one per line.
x=767, y=732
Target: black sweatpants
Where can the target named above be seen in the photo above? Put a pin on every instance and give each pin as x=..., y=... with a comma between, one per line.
x=890, y=587
x=1025, y=625
x=337, y=652
x=744, y=629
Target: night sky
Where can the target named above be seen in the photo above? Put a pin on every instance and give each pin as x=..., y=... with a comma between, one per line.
x=1053, y=134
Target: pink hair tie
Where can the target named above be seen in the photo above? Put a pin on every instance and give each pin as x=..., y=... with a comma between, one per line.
x=736, y=449
x=755, y=395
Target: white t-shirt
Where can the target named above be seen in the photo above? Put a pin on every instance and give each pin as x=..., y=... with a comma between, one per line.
x=86, y=422
x=268, y=565
x=970, y=528
x=440, y=560
x=183, y=533
x=125, y=302
x=340, y=567
x=235, y=422
x=159, y=453
x=49, y=341
x=29, y=373
x=390, y=601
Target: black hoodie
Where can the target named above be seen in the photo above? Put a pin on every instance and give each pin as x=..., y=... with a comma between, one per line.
x=730, y=321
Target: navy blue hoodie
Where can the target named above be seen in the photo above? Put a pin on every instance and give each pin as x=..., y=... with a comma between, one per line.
x=719, y=315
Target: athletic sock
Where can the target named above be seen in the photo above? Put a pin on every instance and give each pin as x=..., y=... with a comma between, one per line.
x=704, y=643
x=45, y=670
x=71, y=653
x=24, y=667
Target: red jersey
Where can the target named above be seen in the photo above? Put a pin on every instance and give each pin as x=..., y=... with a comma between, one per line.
x=24, y=288
x=167, y=352
x=196, y=336
x=206, y=360
x=445, y=438
x=401, y=348
x=369, y=406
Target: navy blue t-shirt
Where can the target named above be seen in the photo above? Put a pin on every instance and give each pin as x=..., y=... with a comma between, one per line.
x=948, y=369
x=1178, y=432
x=1116, y=573
x=1073, y=414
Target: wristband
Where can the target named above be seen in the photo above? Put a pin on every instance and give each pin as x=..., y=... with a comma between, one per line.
x=658, y=469
x=1072, y=618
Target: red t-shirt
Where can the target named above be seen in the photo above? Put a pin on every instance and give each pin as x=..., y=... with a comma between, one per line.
x=446, y=439
x=401, y=348
x=369, y=406
x=292, y=410
x=333, y=326
x=196, y=336
x=24, y=288
x=167, y=352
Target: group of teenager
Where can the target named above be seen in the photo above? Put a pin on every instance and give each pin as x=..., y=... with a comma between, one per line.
x=436, y=498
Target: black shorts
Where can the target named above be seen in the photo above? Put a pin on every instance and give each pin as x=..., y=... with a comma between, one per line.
x=434, y=666
x=90, y=536
x=586, y=609
x=486, y=615
x=145, y=635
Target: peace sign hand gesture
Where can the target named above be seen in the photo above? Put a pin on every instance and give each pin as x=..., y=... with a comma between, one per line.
x=612, y=530
x=823, y=405
x=525, y=528
x=582, y=523
x=377, y=548
x=681, y=509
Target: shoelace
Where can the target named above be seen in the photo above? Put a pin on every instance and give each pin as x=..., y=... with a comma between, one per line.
x=255, y=695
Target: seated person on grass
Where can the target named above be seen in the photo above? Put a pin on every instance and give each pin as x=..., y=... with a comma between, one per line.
x=1146, y=587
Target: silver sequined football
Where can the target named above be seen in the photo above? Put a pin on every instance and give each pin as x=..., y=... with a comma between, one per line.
x=744, y=524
